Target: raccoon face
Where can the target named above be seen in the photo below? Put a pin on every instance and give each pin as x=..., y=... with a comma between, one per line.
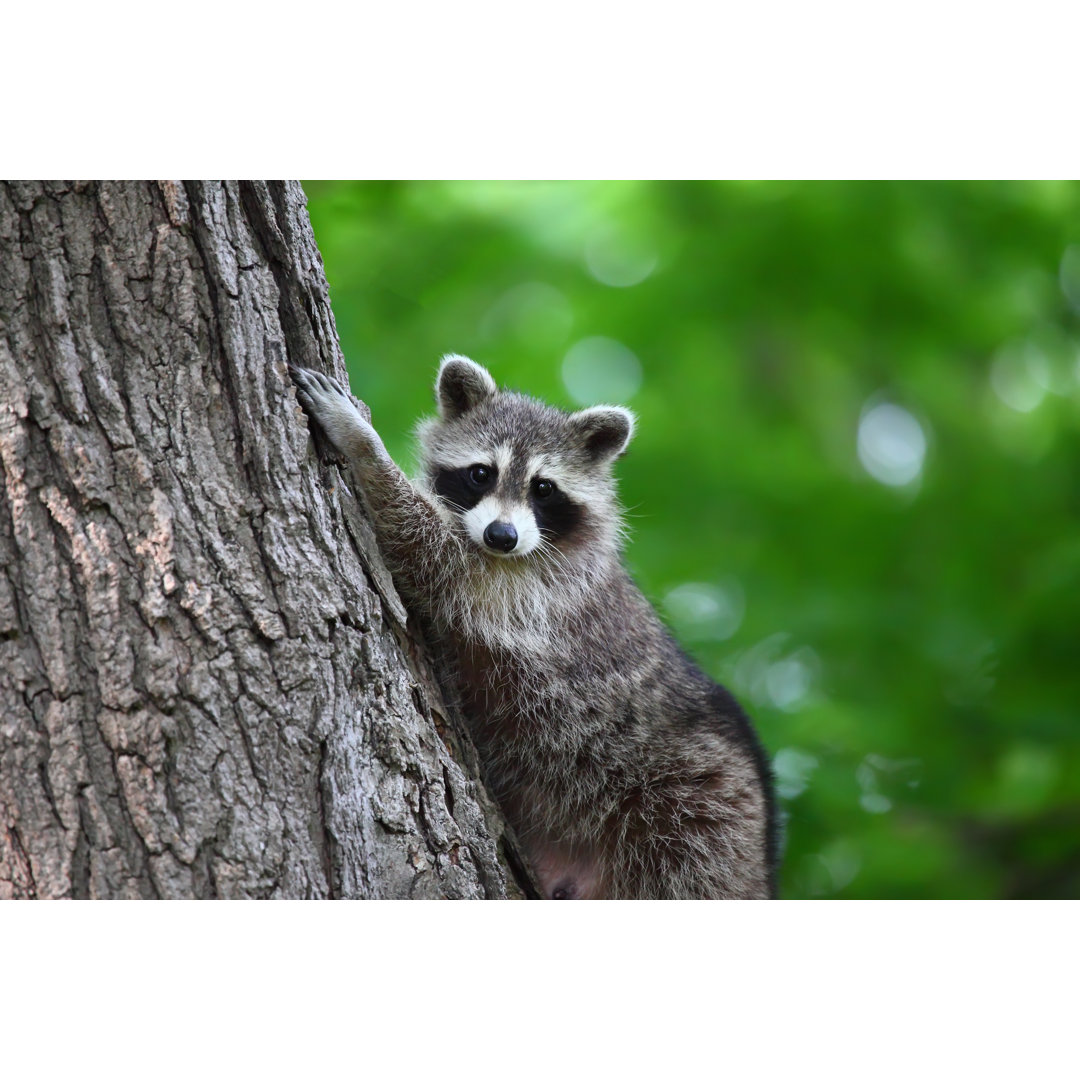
x=509, y=504
x=520, y=476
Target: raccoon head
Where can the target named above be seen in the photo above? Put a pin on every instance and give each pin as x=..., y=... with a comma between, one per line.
x=519, y=477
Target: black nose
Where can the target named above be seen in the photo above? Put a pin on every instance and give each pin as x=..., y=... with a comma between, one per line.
x=501, y=535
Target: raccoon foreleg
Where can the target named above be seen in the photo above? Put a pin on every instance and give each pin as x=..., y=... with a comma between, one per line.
x=413, y=538
x=342, y=419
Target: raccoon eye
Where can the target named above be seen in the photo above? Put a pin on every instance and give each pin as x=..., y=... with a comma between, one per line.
x=544, y=489
x=480, y=475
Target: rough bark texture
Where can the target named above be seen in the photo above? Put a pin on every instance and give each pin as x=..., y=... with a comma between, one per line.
x=206, y=688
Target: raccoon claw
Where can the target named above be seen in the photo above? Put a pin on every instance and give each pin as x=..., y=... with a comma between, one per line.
x=320, y=394
x=314, y=383
x=333, y=411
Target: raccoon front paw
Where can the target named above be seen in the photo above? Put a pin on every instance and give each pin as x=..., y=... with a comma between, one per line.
x=315, y=388
x=332, y=407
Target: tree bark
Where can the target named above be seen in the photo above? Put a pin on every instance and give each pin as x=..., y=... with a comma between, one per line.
x=206, y=684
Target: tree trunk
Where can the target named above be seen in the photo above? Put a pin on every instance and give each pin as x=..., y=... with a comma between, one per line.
x=206, y=687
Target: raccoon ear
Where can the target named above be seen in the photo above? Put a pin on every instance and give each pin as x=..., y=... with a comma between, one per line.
x=461, y=385
x=604, y=430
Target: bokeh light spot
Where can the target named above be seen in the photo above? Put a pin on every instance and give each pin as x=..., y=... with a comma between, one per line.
x=873, y=769
x=1020, y=376
x=830, y=870
x=873, y=802
x=891, y=445
x=842, y=863
x=770, y=677
x=788, y=681
x=598, y=369
x=617, y=259
x=533, y=312
x=706, y=612
x=792, y=769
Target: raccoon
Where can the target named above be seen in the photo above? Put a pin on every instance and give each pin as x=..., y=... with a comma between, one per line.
x=625, y=771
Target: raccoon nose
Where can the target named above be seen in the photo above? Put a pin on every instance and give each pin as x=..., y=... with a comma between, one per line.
x=501, y=535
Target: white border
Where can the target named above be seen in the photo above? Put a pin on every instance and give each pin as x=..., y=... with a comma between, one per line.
x=884, y=989
x=569, y=88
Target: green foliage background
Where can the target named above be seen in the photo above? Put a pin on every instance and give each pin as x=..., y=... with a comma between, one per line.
x=909, y=651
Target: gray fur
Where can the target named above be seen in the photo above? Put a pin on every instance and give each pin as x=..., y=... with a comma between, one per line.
x=624, y=770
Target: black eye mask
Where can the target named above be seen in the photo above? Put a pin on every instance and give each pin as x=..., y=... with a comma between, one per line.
x=463, y=488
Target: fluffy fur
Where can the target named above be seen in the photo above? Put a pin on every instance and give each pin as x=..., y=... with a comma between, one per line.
x=624, y=770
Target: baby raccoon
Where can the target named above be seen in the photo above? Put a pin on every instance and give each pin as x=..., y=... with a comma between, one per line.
x=623, y=769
